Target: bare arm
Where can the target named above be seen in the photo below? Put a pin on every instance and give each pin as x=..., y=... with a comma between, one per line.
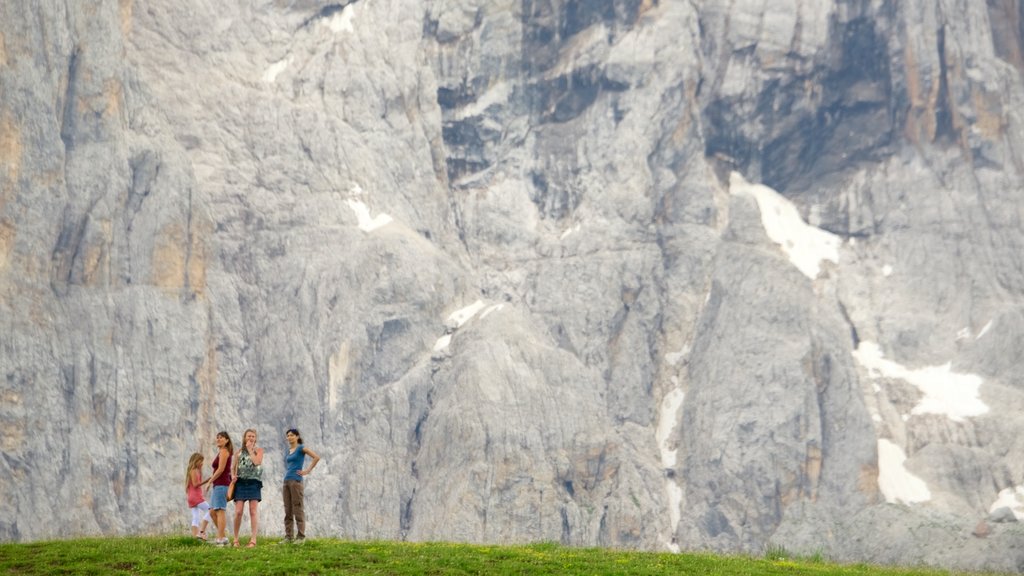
x=312, y=464
x=257, y=456
x=221, y=465
x=234, y=465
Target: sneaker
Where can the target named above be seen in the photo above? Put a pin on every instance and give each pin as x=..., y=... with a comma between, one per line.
x=283, y=541
x=299, y=541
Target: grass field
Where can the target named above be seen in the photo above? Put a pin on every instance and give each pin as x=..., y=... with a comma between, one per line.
x=183, y=555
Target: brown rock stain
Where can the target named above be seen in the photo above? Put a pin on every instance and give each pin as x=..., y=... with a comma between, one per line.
x=3, y=51
x=10, y=155
x=118, y=483
x=989, y=118
x=787, y=487
x=812, y=470
x=954, y=73
x=867, y=481
x=169, y=259
x=12, y=436
x=921, y=122
x=682, y=129
x=180, y=262
x=108, y=103
x=198, y=258
x=596, y=465
x=113, y=96
x=125, y=10
x=96, y=258
x=7, y=234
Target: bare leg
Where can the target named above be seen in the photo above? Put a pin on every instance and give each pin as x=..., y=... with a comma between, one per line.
x=239, y=508
x=254, y=521
x=220, y=521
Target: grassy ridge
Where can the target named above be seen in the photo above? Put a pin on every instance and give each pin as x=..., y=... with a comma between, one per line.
x=183, y=555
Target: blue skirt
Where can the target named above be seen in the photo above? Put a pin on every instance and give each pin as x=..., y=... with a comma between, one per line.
x=219, y=498
x=248, y=489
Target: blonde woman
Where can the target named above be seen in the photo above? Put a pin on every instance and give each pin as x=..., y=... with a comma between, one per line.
x=248, y=475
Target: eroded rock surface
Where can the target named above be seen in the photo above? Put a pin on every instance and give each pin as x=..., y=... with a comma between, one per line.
x=631, y=273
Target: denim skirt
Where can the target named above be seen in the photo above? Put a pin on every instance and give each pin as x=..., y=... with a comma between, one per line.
x=219, y=498
x=248, y=489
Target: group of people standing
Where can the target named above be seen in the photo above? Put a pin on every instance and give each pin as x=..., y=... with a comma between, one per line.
x=238, y=476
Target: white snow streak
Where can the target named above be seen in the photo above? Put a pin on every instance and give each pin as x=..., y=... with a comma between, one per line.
x=945, y=392
x=569, y=231
x=341, y=21
x=984, y=330
x=366, y=223
x=490, y=309
x=461, y=316
x=675, y=500
x=442, y=342
x=668, y=417
x=1012, y=498
x=894, y=480
x=458, y=318
x=805, y=245
x=496, y=94
x=270, y=75
x=673, y=358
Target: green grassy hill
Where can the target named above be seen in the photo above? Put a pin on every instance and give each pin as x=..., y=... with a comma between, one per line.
x=183, y=555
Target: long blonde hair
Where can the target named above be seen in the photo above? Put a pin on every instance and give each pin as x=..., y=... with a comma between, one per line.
x=195, y=461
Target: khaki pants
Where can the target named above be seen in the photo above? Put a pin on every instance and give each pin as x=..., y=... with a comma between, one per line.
x=292, y=493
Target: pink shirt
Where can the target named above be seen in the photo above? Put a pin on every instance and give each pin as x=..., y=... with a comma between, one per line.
x=194, y=493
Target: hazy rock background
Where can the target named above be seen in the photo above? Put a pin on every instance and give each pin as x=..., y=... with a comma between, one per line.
x=491, y=259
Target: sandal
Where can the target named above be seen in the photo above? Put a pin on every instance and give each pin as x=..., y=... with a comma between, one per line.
x=235, y=543
x=251, y=544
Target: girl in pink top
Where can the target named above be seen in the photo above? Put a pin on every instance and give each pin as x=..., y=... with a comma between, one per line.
x=194, y=494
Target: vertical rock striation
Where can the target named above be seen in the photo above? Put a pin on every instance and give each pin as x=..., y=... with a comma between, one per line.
x=629, y=273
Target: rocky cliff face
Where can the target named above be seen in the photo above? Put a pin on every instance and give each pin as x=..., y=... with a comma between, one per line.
x=631, y=273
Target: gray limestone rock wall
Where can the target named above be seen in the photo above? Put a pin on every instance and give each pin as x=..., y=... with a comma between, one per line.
x=628, y=273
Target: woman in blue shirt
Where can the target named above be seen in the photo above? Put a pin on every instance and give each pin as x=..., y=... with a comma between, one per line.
x=294, y=458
